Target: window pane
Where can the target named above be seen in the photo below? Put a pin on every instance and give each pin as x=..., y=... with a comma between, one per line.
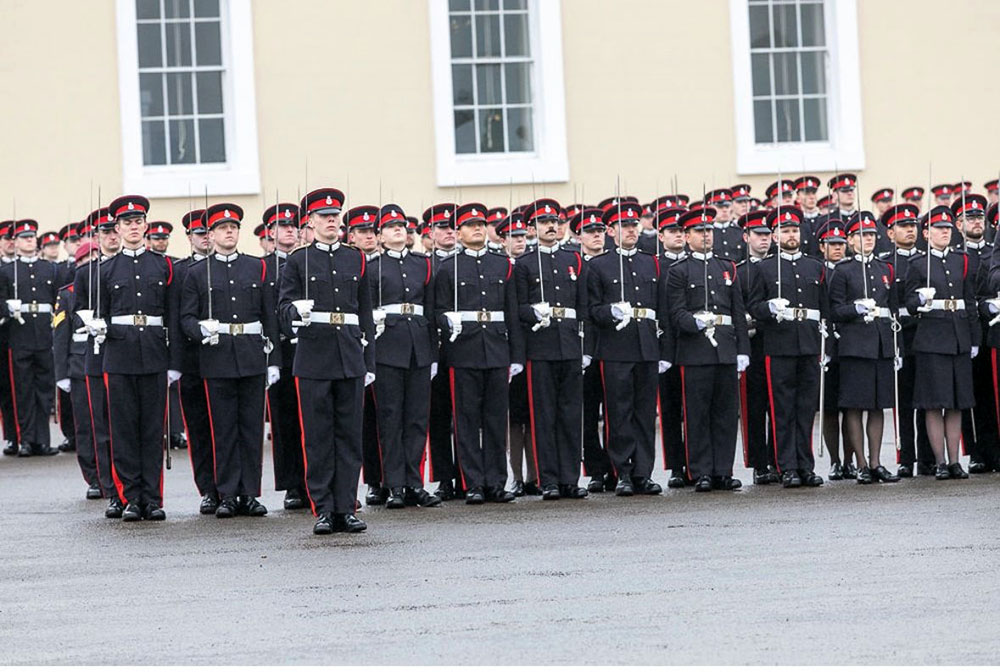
x=519, y=130
x=182, y=141
x=213, y=141
x=177, y=9
x=760, y=64
x=151, y=95
x=154, y=151
x=465, y=132
x=491, y=131
x=207, y=42
x=760, y=31
x=786, y=75
x=813, y=28
x=788, y=121
x=178, y=44
x=762, y=121
x=488, y=85
x=785, y=31
x=461, y=37
x=815, y=119
x=488, y=35
x=150, y=47
x=515, y=34
x=518, y=83
x=206, y=8
x=179, y=99
x=515, y=4
x=461, y=84
x=147, y=9
x=209, y=93
x=487, y=5
x=813, y=75
x=458, y=5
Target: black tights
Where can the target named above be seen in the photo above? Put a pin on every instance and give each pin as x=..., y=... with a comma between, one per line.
x=939, y=428
x=854, y=435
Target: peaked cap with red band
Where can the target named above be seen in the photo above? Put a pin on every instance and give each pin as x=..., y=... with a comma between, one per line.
x=913, y=193
x=754, y=221
x=940, y=215
x=220, y=213
x=883, y=195
x=622, y=213
x=668, y=218
x=861, y=222
x=49, y=238
x=25, y=227
x=391, y=214
x=741, y=192
x=159, y=229
x=362, y=217
x=586, y=220
x=125, y=206
x=543, y=209
x=281, y=213
x=513, y=225
x=720, y=196
x=192, y=221
x=611, y=201
x=902, y=214
x=832, y=231
x=786, y=215
x=787, y=187
x=807, y=182
x=470, y=213
x=970, y=204
x=843, y=181
x=698, y=218
x=940, y=190
x=69, y=232
x=440, y=214
x=324, y=201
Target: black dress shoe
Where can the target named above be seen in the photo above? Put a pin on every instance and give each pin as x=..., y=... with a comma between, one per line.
x=348, y=522
x=445, y=491
x=114, y=509
x=610, y=482
x=646, y=486
x=550, y=493
x=570, y=491
x=864, y=476
x=227, y=508
x=209, y=503
x=812, y=479
x=955, y=470
x=9, y=448
x=293, y=500
x=775, y=476
x=178, y=441
x=531, y=488
x=624, y=487
x=376, y=495
x=475, y=496
x=941, y=472
x=704, y=484
x=25, y=450
x=926, y=469
x=395, y=500
x=790, y=479
x=251, y=506
x=131, y=513
x=677, y=479
x=67, y=446
x=978, y=468
x=518, y=489
x=762, y=477
x=905, y=471
x=596, y=484
x=850, y=471
x=880, y=473
x=44, y=451
x=94, y=491
x=154, y=513
x=499, y=495
x=728, y=483
x=836, y=472
x=324, y=524
x=420, y=497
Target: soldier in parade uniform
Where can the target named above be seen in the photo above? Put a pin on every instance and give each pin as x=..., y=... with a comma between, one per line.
x=788, y=299
x=158, y=237
x=806, y=192
x=552, y=304
x=28, y=289
x=48, y=247
x=946, y=340
x=325, y=299
x=225, y=306
x=7, y=257
x=988, y=288
x=405, y=357
x=708, y=320
x=728, y=236
x=70, y=237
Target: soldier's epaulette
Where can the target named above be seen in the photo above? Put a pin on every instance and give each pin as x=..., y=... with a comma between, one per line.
x=420, y=254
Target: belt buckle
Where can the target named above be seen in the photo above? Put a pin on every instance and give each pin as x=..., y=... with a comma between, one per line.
x=336, y=318
x=558, y=311
x=483, y=316
x=235, y=329
x=951, y=305
x=406, y=309
x=139, y=320
x=639, y=313
x=799, y=314
x=33, y=307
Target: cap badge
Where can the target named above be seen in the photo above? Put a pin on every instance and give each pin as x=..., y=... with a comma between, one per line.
x=329, y=200
x=548, y=208
x=447, y=214
x=392, y=213
x=225, y=213
x=288, y=213
x=130, y=206
x=474, y=212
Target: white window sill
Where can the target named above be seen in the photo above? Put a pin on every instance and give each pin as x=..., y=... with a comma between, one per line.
x=797, y=157
x=471, y=170
x=177, y=182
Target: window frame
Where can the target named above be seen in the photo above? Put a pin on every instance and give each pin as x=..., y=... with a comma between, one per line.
x=549, y=162
x=844, y=150
x=240, y=174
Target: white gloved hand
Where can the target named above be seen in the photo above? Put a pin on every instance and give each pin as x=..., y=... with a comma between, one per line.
x=864, y=306
x=369, y=378
x=543, y=311
x=993, y=306
x=304, y=307
x=926, y=294
x=273, y=375
x=587, y=359
x=621, y=310
x=97, y=328
x=742, y=362
x=65, y=385
x=379, y=316
x=514, y=370
x=434, y=370
x=173, y=376
x=663, y=366
x=777, y=307
x=14, y=307
x=454, y=323
x=209, y=332
x=824, y=360
x=897, y=363
x=974, y=351
x=703, y=319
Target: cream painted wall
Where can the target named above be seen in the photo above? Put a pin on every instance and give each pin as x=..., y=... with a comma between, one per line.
x=648, y=96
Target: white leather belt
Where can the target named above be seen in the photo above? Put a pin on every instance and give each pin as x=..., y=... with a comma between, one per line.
x=950, y=305
x=643, y=314
x=80, y=338
x=36, y=307
x=240, y=328
x=883, y=312
x=334, y=318
x=722, y=321
x=138, y=320
x=481, y=315
x=403, y=309
x=903, y=312
x=564, y=313
x=803, y=314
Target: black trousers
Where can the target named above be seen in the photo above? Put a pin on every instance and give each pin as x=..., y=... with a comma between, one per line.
x=100, y=438
x=286, y=434
x=442, y=450
x=137, y=406
x=710, y=418
x=236, y=419
x=194, y=408
x=33, y=384
x=67, y=421
x=595, y=459
x=479, y=404
x=672, y=419
x=371, y=464
x=555, y=393
x=86, y=455
x=630, y=391
x=913, y=442
x=7, y=399
x=174, y=409
x=402, y=403
x=979, y=424
x=331, y=429
x=793, y=394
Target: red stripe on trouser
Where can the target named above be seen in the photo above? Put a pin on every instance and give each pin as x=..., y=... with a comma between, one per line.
x=187, y=433
x=684, y=412
x=774, y=422
x=659, y=413
x=531, y=422
x=378, y=441
x=93, y=435
x=996, y=398
x=211, y=430
x=607, y=422
x=454, y=424
x=13, y=393
x=744, y=420
x=302, y=433
x=119, y=486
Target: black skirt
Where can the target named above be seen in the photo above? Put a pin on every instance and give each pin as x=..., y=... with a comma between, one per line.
x=865, y=383
x=942, y=381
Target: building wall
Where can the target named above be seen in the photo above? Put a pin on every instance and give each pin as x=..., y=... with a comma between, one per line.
x=648, y=86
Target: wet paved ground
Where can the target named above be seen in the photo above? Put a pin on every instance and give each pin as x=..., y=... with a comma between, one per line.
x=845, y=574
